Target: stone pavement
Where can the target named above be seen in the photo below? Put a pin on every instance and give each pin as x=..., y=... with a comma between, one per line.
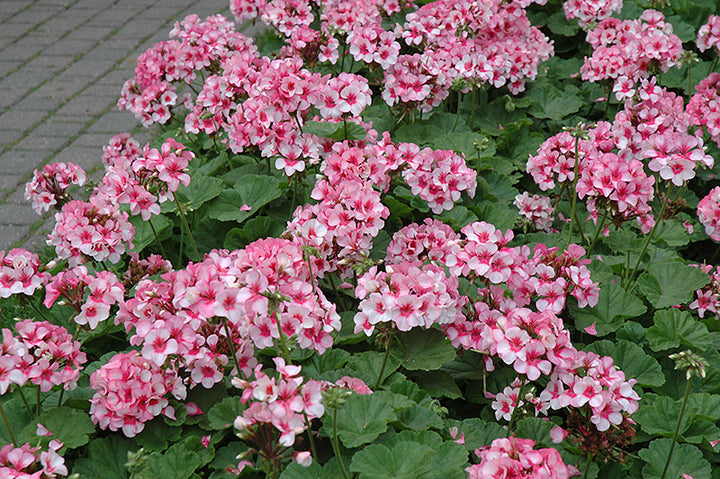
x=62, y=65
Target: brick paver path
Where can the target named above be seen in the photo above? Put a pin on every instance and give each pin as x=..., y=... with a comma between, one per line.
x=62, y=65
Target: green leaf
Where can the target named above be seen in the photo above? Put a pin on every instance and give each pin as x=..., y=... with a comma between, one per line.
x=672, y=233
x=144, y=235
x=296, y=471
x=254, y=191
x=403, y=461
x=223, y=414
x=176, y=463
x=464, y=142
x=478, y=433
x=448, y=462
x=332, y=360
x=457, y=217
x=253, y=229
x=660, y=417
x=632, y=360
x=425, y=349
x=614, y=306
x=227, y=455
x=361, y=420
x=673, y=327
x=156, y=434
x=439, y=384
x=419, y=418
x=535, y=428
x=668, y=284
x=106, y=458
x=557, y=23
x=70, y=426
x=367, y=366
x=552, y=103
x=18, y=417
x=200, y=190
x=336, y=131
x=686, y=459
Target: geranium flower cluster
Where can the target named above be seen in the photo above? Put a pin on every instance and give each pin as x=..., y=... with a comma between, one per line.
x=20, y=272
x=95, y=229
x=139, y=269
x=151, y=95
x=587, y=379
x=708, y=211
x=589, y=12
x=173, y=322
x=49, y=187
x=148, y=179
x=508, y=400
x=24, y=462
x=103, y=291
x=431, y=241
x=709, y=34
x=349, y=212
x=407, y=294
x=273, y=290
x=130, y=390
x=41, y=353
x=536, y=209
x=704, y=106
x=626, y=51
x=513, y=457
x=707, y=298
x=122, y=149
x=437, y=176
x=283, y=402
x=472, y=43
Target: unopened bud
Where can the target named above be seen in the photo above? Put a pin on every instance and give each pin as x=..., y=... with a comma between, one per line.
x=691, y=362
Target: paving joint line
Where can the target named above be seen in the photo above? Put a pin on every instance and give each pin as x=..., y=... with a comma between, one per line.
x=33, y=228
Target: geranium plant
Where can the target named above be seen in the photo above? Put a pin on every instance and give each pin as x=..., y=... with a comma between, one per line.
x=388, y=238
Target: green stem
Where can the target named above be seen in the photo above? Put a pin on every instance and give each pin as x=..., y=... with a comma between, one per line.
x=35, y=307
x=573, y=214
x=310, y=438
x=587, y=466
x=677, y=428
x=473, y=99
x=713, y=65
x=181, y=210
x=180, y=250
x=232, y=345
x=7, y=424
x=514, y=417
x=382, y=368
x=37, y=402
x=157, y=238
x=597, y=232
x=457, y=113
x=283, y=345
x=336, y=446
x=24, y=400
x=649, y=238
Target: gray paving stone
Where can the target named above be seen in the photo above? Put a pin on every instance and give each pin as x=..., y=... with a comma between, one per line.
x=20, y=120
x=91, y=31
x=8, y=8
x=11, y=234
x=69, y=47
x=85, y=156
x=57, y=126
x=53, y=63
x=113, y=122
x=20, y=51
x=93, y=140
x=17, y=215
x=10, y=181
x=14, y=30
x=86, y=105
x=9, y=136
x=40, y=143
x=20, y=163
x=35, y=14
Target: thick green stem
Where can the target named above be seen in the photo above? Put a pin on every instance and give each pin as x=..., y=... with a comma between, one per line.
x=7, y=424
x=677, y=428
x=649, y=238
x=573, y=192
x=37, y=402
x=24, y=400
x=587, y=466
x=515, y=413
x=157, y=239
x=457, y=113
x=382, y=368
x=183, y=218
x=336, y=446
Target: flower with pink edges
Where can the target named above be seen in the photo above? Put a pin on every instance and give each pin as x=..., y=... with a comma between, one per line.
x=129, y=391
x=513, y=457
x=20, y=272
x=709, y=34
x=48, y=188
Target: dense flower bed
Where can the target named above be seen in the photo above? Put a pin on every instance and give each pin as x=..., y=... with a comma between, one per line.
x=448, y=239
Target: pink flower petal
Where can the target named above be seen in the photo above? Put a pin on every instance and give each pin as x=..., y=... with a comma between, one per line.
x=591, y=329
x=558, y=434
x=245, y=208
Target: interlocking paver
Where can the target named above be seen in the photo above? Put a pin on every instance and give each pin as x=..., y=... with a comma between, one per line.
x=62, y=66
